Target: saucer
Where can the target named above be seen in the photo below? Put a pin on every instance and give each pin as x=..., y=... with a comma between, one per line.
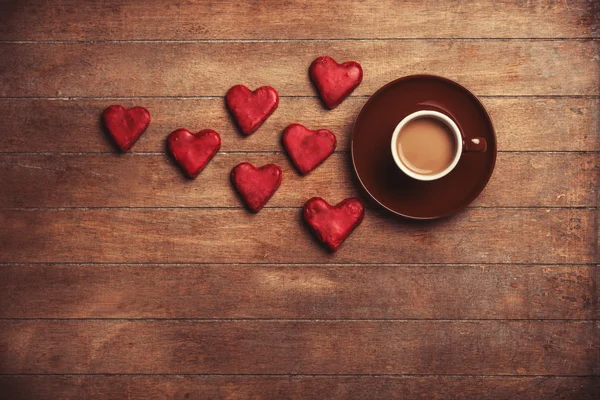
x=381, y=177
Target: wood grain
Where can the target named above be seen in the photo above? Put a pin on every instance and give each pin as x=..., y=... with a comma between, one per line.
x=546, y=124
x=521, y=179
x=151, y=20
x=278, y=236
x=250, y=306
x=300, y=292
x=520, y=67
x=300, y=347
x=298, y=387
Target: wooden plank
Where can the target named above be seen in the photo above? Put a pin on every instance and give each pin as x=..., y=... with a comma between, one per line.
x=520, y=67
x=297, y=387
x=151, y=20
x=521, y=179
x=278, y=236
x=546, y=124
x=300, y=347
x=299, y=292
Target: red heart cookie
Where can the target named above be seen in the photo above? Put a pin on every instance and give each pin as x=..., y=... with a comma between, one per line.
x=256, y=185
x=334, y=81
x=332, y=225
x=251, y=109
x=307, y=148
x=193, y=151
x=125, y=126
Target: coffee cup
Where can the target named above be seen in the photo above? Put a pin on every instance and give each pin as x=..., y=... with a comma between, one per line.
x=427, y=145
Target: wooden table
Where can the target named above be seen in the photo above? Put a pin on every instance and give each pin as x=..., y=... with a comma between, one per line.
x=120, y=279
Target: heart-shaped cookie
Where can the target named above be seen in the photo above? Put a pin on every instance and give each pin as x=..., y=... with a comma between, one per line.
x=251, y=109
x=334, y=81
x=125, y=126
x=256, y=185
x=193, y=151
x=307, y=148
x=332, y=225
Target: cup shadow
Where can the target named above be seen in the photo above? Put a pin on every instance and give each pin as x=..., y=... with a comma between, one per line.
x=393, y=178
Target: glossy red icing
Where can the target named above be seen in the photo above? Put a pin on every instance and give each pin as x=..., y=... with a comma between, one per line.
x=332, y=225
x=125, y=125
x=251, y=109
x=193, y=151
x=256, y=185
x=308, y=148
x=334, y=81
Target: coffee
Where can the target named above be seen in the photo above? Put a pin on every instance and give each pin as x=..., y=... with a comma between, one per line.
x=426, y=146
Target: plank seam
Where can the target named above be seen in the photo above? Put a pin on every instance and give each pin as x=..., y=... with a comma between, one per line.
x=316, y=265
x=165, y=208
x=306, y=320
x=365, y=96
x=268, y=152
x=524, y=376
x=301, y=40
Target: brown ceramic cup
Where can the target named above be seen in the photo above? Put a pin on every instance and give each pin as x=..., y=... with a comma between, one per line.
x=462, y=144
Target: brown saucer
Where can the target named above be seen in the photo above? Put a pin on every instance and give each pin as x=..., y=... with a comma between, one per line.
x=381, y=177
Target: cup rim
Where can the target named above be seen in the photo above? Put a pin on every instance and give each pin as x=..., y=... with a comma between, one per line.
x=441, y=117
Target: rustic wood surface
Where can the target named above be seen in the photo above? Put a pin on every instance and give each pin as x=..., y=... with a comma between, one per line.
x=91, y=180
x=488, y=291
x=521, y=123
x=553, y=235
x=120, y=279
x=109, y=69
x=200, y=387
x=300, y=347
x=152, y=19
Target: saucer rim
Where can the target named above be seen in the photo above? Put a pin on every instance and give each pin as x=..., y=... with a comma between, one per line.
x=492, y=131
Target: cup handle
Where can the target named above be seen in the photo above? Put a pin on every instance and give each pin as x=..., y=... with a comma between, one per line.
x=477, y=144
